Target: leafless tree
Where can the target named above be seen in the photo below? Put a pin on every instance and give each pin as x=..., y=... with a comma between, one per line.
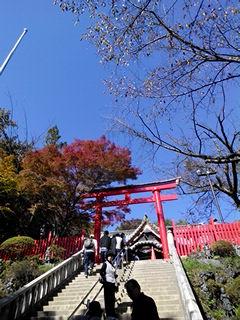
x=176, y=82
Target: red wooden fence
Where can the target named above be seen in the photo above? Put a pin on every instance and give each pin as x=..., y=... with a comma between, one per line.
x=191, y=238
x=71, y=245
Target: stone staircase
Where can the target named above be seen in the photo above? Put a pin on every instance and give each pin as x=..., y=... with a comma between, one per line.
x=61, y=306
x=78, y=291
x=156, y=277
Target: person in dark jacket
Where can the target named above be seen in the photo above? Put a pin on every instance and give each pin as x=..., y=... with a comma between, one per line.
x=143, y=307
x=105, y=243
x=113, y=245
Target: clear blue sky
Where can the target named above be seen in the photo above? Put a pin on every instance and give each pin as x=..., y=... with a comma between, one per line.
x=56, y=79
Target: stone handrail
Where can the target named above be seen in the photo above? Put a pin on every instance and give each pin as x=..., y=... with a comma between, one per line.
x=191, y=308
x=23, y=300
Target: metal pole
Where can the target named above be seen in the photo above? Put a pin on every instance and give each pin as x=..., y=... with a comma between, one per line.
x=12, y=51
x=215, y=198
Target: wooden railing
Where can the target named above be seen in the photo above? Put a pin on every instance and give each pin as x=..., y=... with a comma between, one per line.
x=191, y=238
x=24, y=300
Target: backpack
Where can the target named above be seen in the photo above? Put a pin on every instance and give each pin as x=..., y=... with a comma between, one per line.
x=88, y=244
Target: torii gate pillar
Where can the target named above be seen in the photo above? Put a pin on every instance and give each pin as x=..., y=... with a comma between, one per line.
x=161, y=224
x=98, y=225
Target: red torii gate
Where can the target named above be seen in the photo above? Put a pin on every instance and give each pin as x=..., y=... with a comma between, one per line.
x=126, y=191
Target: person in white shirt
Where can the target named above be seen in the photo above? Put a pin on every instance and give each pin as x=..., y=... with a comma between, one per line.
x=108, y=274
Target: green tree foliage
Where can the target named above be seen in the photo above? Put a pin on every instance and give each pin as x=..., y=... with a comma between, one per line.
x=16, y=247
x=223, y=248
x=176, y=83
x=8, y=194
x=168, y=222
x=3, y=292
x=214, y=284
x=181, y=222
x=233, y=289
x=56, y=253
x=54, y=179
x=13, y=217
x=20, y=273
x=53, y=137
x=9, y=139
x=8, y=181
x=134, y=223
x=129, y=224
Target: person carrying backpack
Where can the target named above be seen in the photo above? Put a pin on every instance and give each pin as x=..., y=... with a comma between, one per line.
x=89, y=253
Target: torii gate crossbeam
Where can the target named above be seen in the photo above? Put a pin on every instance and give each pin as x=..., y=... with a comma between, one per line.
x=155, y=188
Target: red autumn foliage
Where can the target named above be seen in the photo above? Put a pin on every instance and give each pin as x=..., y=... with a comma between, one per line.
x=56, y=177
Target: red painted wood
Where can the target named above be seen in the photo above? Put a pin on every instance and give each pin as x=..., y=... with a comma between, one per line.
x=102, y=201
x=161, y=224
x=97, y=226
x=189, y=238
x=161, y=185
x=124, y=202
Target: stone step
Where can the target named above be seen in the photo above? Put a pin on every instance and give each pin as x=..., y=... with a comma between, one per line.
x=153, y=265
x=49, y=318
x=65, y=313
x=157, y=269
x=82, y=282
x=165, y=274
x=162, y=314
x=156, y=277
x=79, y=285
x=156, y=284
x=73, y=292
x=59, y=302
x=159, y=283
x=159, y=300
x=57, y=308
x=162, y=276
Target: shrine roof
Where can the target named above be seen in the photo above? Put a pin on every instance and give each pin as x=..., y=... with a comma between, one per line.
x=145, y=226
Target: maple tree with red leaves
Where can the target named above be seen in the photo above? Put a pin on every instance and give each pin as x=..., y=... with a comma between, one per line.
x=55, y=177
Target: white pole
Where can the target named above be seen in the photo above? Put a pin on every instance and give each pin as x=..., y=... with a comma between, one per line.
x=3, y=66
